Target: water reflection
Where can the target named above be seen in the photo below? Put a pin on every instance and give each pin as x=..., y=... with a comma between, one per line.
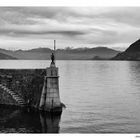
x=28, y=121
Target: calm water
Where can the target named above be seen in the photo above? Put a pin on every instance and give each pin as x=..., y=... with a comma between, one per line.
x=100, y=96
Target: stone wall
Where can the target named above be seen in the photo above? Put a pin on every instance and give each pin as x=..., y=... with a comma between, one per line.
x=27, y=83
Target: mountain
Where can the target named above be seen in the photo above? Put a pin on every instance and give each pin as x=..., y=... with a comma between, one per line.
x=63, y=54
x=131, y=53
x=133, y=48
x=40, y=50
x=4, y=56
x=86, y=53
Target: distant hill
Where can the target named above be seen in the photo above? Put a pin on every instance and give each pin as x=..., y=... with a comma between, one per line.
x=4, y=56
x=131, y=53
x=40, y=50
x=86, y=53
x=63, y=54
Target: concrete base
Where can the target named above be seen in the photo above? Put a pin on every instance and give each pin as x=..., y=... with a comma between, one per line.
x=57, y=110
x=53, y=110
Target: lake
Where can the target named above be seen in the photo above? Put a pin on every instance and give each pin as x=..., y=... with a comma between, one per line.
x=100, y=97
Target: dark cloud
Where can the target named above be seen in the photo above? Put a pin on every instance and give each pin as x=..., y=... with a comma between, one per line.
x=68, y=33
x=22, y=32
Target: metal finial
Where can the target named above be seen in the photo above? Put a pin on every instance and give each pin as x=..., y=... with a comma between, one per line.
x=54, y=49
x=54, y=46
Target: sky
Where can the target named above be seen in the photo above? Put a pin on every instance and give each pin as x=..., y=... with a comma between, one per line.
x=33, y=27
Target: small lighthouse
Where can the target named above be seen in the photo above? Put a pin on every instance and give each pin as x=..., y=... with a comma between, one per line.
x=50, y=99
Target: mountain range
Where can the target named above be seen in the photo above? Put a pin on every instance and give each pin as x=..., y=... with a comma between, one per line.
x=98, y=53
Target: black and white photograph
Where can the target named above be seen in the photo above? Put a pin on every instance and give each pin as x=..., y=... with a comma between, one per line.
x=70, y=69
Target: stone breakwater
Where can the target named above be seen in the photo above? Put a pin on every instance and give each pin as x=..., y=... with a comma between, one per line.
x=21, y=87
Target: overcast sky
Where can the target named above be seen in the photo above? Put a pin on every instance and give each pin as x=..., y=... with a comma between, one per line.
x=32, y=27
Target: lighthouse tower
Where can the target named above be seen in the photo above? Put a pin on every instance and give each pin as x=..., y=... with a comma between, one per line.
x=50, y=99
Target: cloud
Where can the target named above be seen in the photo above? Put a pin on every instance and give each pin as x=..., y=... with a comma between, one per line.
x=90, y=25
